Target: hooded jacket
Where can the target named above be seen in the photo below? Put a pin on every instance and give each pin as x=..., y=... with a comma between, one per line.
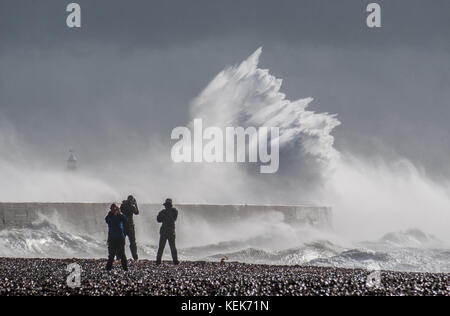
x=116, y=225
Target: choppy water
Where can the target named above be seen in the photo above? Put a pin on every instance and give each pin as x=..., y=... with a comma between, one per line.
x=412, y=250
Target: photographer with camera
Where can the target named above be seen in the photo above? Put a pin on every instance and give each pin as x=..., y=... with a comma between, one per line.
x=129, y=208
x=167, y=218
x=116, y=238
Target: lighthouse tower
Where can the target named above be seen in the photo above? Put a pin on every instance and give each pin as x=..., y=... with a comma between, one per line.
x=72, y=163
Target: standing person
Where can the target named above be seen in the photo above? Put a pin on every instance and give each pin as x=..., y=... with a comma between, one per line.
x=129, y=208
x=116, y=237
x=167, y=217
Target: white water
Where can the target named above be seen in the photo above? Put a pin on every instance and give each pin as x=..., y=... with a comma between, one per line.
x=369, y=198
x=274, y=242
x=384, y=211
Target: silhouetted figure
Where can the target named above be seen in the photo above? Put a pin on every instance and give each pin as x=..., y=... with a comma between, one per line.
x=129, y=208
x=167, y=217
x=116, y=237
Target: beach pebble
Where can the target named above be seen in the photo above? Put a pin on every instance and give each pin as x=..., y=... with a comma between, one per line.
x=48, y=277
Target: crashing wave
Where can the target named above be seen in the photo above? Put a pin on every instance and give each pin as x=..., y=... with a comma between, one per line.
x=246, y=95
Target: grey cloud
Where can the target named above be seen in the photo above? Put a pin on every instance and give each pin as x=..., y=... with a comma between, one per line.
x=162, y=23
x=134, y=66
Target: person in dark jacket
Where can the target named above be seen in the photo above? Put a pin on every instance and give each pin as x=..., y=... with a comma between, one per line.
x=116, y=237
x=167, y=217
x=129, y=208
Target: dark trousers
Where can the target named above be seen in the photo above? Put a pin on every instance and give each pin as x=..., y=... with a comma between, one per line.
x=162, y=244
x=132, y=239
x=116, y=247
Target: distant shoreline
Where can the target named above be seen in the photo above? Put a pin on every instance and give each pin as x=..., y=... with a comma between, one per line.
x=23, y=276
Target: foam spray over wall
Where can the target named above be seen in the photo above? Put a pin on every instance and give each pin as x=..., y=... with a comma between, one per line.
x=369, y=198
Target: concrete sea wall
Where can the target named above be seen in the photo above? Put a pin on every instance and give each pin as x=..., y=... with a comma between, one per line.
x=89, y=217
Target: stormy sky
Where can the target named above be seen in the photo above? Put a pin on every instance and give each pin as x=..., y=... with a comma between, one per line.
x=133, y=68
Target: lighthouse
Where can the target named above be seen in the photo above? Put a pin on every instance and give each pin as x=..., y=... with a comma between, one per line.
x=72, y=163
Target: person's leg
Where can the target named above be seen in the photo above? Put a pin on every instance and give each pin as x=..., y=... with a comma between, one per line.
x=162, y=244
x=121, y=253
x=173, y=249
x=132, y=239
x=111, y=254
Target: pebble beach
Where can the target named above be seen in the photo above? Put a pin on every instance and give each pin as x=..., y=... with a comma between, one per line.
x=48, y=277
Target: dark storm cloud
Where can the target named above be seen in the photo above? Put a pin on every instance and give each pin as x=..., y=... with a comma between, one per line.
x=155, y=24
x=134, y=66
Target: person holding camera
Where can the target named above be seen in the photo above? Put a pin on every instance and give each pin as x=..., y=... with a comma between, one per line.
x=116, y=237
x=129, y=208
x=167, y=218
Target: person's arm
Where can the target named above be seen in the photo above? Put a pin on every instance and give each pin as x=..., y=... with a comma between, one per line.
x=175, y=214
x=135, y=209
x=124, y=218
x=160, y=216
x=108, y=218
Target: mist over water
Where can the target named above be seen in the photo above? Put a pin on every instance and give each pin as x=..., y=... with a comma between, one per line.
x=390, y=213
x=372, y=198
